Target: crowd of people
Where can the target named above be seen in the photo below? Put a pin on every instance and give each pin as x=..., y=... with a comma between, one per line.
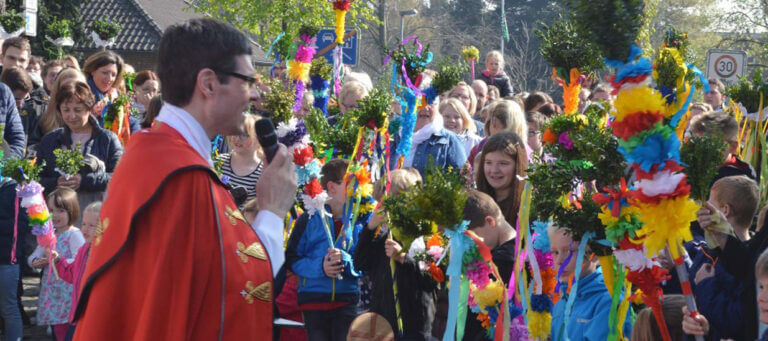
x=147, y=263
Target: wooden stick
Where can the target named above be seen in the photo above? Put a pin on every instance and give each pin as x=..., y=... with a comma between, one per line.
x=329, y=47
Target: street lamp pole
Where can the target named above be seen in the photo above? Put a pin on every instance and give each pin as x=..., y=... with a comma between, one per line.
x=403, y=14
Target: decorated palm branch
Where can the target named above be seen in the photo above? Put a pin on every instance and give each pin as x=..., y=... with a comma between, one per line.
x=104, y=32
x=407, y=66
x=69, y=161
x=655, y=213
x=298, y=69
x=26, y=173
x=59, y=33
x=471, y=55
x=572, y=55
x=117, y=115
x=320, y=74
x=11, y=24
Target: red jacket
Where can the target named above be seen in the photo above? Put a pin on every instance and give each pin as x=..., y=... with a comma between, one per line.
x=176, y=260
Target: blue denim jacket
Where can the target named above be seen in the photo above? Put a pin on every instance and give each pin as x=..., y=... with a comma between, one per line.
x=445, y=147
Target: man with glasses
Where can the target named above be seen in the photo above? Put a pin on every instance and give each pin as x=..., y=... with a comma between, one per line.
x=177, y=259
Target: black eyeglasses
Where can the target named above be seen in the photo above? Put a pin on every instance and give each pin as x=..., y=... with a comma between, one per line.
x=250, y=79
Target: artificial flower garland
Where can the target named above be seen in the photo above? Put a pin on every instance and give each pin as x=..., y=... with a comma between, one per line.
x=298, y=68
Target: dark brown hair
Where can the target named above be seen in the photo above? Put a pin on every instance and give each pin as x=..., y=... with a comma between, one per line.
x=715, y=122
x=534, y=100
x=101, y=59
x=646, y=329
x=144, y=76
x=180, y=58
x=66, y=199
x=16, y=79
x=333, y=170
x=550, y=109
x=152, y=111
x=20, y=43
x=479, y=205
x=51, y=64
x=78, y=91
x=512, y=145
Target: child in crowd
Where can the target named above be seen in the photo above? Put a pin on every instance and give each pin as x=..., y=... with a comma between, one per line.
x=416, y=286
x=493, y=93
x=732, y=206
x=503, y=115
x=646, y=329
x=500, y=171
x=494, y=73
x=488, y=223
x=699, y=325
x=328, y=281
x=536, y=122
x=72, y=272
x=725, y=125
x=535, y=100
x=600, y=93
x=718, y=294
x=55, y=300
x=456, y=119
x=592, y=307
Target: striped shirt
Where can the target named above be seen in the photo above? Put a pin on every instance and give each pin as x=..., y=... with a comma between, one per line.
x=248, y=181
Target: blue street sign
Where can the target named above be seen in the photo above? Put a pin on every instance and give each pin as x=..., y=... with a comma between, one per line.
x=349, y=50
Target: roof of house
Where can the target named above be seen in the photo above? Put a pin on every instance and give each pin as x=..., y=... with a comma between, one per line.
x=142, y=22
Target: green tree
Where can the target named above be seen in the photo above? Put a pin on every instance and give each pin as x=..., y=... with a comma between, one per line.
x=268, y=18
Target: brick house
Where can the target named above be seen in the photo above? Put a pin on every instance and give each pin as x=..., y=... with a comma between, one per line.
x=142, y=23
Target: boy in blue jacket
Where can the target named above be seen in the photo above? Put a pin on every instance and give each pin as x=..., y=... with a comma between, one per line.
x=328, y=282
x=721, y=297
x=589, y=316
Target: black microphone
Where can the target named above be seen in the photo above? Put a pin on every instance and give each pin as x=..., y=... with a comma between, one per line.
x=265, y=132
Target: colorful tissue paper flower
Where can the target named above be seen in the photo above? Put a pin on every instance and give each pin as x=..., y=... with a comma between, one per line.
x=308, y=172
x=669, y=165
x=662, y=190
x=313, y=188
x=541, y=303
x=539, y=325
x=544, y=259
x=549, y=137
x=565, y=140
x=298, y=71
x=637, y=100
x=304, y=54
x=633, y=259
x=625, y=225
x=303, y=155
x=635, y=123
x=666, y=222
x=436, y=272
x=295, y=136
x=478, y=273
x=489, y=296
x=314, y=204
x=435, y=251
x=654, y=150
x=541, y=239
x=435, y=240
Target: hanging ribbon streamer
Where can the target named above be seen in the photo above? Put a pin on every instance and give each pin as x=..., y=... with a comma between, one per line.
x=576, y=279
x=459, y=243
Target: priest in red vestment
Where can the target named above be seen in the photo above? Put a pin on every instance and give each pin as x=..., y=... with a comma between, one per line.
x=176, y=259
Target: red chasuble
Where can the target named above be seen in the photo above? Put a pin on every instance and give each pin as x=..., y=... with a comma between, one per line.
x=176, y=260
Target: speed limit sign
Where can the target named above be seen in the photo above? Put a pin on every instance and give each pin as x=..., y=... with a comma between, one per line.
x=726, y=65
